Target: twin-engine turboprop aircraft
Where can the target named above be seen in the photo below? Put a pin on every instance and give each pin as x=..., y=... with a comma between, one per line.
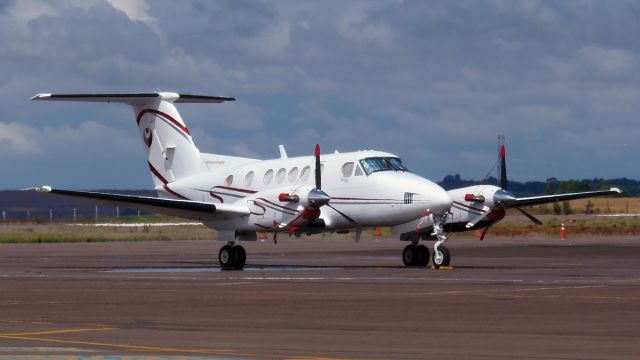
x=240, y=197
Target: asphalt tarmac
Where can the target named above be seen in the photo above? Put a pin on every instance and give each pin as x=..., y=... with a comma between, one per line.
x=322, y=299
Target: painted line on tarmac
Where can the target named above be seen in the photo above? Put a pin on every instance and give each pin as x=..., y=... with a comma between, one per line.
x=483, y=291
x=130, y=347
x=59, y=331
x=25, y=322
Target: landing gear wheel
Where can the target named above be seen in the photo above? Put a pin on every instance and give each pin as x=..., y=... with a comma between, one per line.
x=232, y=257
x=409, y=255
x=444, y=259
x=423, y=255
x=226, y=257
x=240, y=257
x=415, y=255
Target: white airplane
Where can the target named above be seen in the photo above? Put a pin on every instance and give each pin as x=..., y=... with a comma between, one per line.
x=239, y=197
x=481, y=206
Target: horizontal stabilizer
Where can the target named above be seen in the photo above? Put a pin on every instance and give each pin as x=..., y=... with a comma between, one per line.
x=183, y=208
x=134, y=98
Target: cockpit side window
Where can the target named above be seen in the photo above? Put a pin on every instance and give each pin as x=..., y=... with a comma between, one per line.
x=371, y=165
x=358, y=171
x=347, y=169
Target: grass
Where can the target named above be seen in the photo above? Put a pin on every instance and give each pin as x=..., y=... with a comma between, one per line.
x=592, y=226
x=41, y=231
x=61, y=232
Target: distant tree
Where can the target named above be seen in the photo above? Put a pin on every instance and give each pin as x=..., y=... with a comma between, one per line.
x=588, y=208
x=556, y=208
x=602, y=185
x=566, y=208
x=551, y=187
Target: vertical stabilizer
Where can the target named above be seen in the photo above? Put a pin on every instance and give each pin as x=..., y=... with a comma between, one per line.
x=171, y=152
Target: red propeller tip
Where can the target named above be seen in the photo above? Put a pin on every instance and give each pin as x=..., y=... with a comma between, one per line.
x=502, y=151
x=317, y=150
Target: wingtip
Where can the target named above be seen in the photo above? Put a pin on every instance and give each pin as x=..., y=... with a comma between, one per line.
x=616, y=190
x=41, y=96
x=45, y=188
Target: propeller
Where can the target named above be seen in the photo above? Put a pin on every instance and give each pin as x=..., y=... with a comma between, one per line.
x=502, y=198
x=316, y=198
x=508, y=199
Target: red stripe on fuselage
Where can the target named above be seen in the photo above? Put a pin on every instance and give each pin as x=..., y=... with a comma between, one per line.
x=165, y=183
x=165, y=116
x=235, y=189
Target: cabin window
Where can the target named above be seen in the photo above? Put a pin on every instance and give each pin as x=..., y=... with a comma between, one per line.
x=268, y=176
x=293, y=175
x=229, y=180
x=249, y=178
x=306, y=171
x=347, y=169
x=280, y=176
x=359, y=170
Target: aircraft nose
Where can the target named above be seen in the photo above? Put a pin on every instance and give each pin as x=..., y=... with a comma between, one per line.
x=440, y=200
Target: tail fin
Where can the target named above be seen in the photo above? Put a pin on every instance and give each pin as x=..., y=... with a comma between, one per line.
x=171, y=153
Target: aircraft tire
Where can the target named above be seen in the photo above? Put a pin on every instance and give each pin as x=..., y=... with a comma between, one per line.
x=410, y=255
x=423, y=255
x=446, y=257
x=226, y=257
x=239, y=257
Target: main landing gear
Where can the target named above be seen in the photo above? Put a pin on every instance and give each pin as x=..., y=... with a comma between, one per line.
x=232, y=257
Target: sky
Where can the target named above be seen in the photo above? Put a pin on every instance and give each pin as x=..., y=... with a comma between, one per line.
x=433, y=82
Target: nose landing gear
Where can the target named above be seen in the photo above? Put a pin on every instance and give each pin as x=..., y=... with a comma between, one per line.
x=418, y=255
x=441, y=255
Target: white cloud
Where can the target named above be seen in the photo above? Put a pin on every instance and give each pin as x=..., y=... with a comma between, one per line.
x=18, y=140
x=136, y=10
x=84, y=141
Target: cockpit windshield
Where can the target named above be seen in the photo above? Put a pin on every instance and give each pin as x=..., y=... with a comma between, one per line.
x=373, y=164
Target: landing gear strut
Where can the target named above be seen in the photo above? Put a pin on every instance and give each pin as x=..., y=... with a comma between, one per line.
x=232, y=257
x=441, y=255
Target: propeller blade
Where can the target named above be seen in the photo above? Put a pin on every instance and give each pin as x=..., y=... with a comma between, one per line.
x=318, y=174
x=503, y=168
x=343, y=214
x=485, y=211
x=531, y=217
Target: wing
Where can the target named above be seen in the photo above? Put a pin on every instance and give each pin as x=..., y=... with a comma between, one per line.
x=535, y=200
x=182, y=208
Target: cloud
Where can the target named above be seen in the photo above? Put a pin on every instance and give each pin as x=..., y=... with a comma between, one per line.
x=136, y=10
x=18, y=140
x=29, y=10
x=83, y=142
x=432, y=81
x=354, y=26
x=592, y=61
